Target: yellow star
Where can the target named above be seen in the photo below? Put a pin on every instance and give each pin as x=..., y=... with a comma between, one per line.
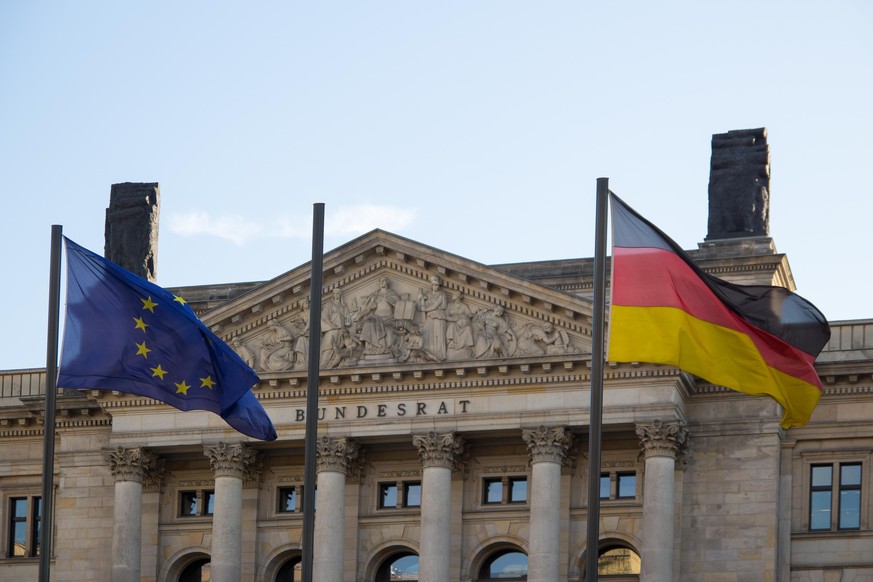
x=149, y=304
x=182, y=388
x=207, y=382
x=142, y=350
x=159, y=372
x=179, y=299
x=140, y=324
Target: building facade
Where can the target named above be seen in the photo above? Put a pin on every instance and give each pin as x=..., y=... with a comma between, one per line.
x=452, y=443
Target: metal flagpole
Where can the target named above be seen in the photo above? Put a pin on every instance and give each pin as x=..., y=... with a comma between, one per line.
x=313, y=371
x=597, y=361
x=51, y=389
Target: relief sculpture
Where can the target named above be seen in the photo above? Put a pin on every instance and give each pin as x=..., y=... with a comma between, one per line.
x=388, y=325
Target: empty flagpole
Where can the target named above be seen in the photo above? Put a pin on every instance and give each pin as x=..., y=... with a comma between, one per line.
x=313, y=371
x=597, y=361
x=51, y=389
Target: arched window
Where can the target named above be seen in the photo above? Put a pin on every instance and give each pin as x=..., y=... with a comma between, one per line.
x=400, y=567
x=291, y=571
x=618, y=562
x=505, y=565
x=197, y=571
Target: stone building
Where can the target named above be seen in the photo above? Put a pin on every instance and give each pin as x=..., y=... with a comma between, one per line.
x=453, y=437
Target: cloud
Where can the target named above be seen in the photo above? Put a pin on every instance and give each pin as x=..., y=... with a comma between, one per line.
x=345, y=221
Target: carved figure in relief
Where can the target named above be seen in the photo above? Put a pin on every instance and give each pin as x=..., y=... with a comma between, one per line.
x=376, y=319
x=495, y=338
x=301, y=344
x=537, y=340
x=459, y=331
x=410, y=345
x=433, y=306
x=244, y=352
x=336, y=331
x=277, y=347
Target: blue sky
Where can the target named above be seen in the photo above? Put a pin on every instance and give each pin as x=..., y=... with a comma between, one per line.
x=476, y=127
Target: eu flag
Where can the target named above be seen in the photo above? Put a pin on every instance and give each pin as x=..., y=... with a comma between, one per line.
x=126, y=334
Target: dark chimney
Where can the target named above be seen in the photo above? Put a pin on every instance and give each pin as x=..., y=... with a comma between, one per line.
x=739, y=185
x=132, y=227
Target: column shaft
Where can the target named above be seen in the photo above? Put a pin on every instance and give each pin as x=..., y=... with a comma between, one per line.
x=436, y=524
x=328, y=549
x=545, y=521
x=657, y=546
x=227, y=529
x=127, y=531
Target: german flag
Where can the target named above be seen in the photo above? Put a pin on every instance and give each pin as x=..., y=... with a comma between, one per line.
x=755, y=339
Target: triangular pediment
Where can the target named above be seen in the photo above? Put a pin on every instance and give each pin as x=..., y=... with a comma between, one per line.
x=390, y=302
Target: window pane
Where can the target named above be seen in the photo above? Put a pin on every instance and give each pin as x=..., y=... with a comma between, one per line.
x=821, y=476
x=627, y=485
x=508, y=565
x=405, y=568
x=518, y=490
x=604, y=486
x=19, y=508
x=19, y=539
x=209, y=501
x=850, y=475
x=37, y=526
x=387, y=495
x=287, y=499
x=413, y=495
x=820, y=510
x=188, y=503
x=618, y=561
x=850, y=509
x=493, y=491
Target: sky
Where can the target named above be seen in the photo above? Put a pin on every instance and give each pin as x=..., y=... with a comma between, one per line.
x=476, y=127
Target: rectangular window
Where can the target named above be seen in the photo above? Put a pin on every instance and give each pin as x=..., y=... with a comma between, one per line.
x=627, y=485
x=24, y=526
x=850, y=496
x=492, y=490
x=412, y=494
x=517, y=490
x=208, y=502
x=504, y=490
x=387, y=495
x=402, y=494
x=288, y=500
x=605, y=482
x=820, y=497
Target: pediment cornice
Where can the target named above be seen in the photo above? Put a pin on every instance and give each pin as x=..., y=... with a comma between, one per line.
x=395, y=301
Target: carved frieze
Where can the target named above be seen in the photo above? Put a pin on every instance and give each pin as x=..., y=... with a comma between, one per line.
x=391, y=320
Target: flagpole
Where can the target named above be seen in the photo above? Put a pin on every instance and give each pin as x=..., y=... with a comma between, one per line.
x=312, y=377
x=597, y=361
x=51, y=389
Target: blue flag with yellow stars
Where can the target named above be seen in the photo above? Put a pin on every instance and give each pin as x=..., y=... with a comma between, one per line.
x=126, y=334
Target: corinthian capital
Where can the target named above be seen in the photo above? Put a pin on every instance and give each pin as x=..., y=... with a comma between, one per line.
x=231, y=460
x=663, y=439
x=439, y=450
x=548, y=443
x=335, y=454
x=135, y=464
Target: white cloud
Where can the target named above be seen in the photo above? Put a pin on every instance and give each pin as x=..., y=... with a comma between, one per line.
x=345, y=221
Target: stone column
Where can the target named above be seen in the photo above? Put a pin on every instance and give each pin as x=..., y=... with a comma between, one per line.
x=130, y=467
x=661, y=443
x=440, y=454
x=548, y=447
x=333, y=459
x=231, y=464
